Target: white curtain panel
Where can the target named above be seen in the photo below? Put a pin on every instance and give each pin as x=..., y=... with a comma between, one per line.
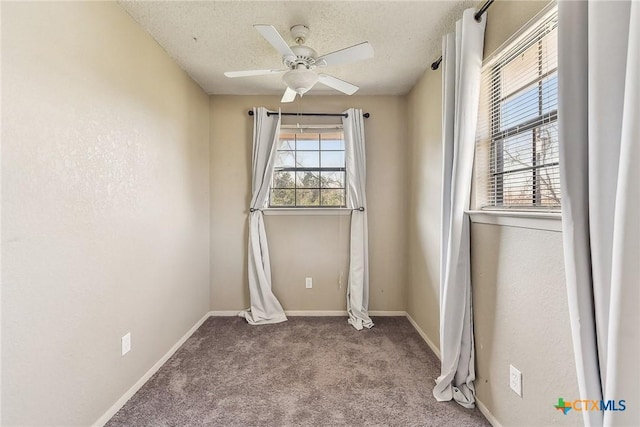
x=599, y=129
x=358, y=287
x=461, y=68
x=265, y=307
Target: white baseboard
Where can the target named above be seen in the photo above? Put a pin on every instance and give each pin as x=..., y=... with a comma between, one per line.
x=383, y=313
x=292, y=313
x=129, y=393
x=224, y=313
x=481, y=406
x=424, y=336
x=488, y=415
x=313, y=313
x=320, y=313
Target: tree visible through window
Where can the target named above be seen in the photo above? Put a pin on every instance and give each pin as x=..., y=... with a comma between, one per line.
x=309, y=170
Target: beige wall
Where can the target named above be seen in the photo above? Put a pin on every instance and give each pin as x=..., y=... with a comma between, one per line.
x=520, y=306
x=424, y=110
x=307, y=246
x=521, y=318
x=105, y=226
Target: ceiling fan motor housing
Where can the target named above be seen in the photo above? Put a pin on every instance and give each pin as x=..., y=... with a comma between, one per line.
x=304, y=56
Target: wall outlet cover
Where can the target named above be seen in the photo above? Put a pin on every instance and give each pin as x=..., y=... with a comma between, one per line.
x=126, y=343
x=515, y=380
x=308, y=282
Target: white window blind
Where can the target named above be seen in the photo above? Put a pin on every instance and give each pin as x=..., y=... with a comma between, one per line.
x=517, y=138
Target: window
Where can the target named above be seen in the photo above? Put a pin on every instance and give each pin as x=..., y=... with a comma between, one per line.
x=517, y=146
x=309, y=170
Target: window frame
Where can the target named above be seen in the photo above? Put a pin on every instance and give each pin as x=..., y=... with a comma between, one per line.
x=489, y=184
x=319, y=131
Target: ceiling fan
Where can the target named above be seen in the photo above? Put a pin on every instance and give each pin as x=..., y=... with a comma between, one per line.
x=301, y=62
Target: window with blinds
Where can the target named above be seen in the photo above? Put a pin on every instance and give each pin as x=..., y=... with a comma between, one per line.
x=517, y=143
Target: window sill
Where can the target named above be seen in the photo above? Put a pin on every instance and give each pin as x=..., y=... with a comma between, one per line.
x=307, y=211
x=550, y=221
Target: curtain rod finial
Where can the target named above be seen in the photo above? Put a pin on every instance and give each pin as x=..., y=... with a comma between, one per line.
x=436, y=64
x=251, y=112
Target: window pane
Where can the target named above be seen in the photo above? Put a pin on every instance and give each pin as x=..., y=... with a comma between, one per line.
x=520, y=70
x=308, y=159
x=549, y=184
x=308, y=141
x=549, y=94
x=547, y=143
x=332, y=159
x=308, y=197
x=550, y=51
x=520, y=108
x=517, y=188
x=307, y=180
x=547, y=154
x=283, y=180
x=332, y=179
x=287, y=142
x=285, y=159
x=517, y=151
x=282, y=197
x=333, y=197
x=332, y=141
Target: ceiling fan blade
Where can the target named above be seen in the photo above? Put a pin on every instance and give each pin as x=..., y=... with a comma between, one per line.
x=289, y=95
x=272, y=35
x=347, y=55
x=248, y=73
x=337, y=84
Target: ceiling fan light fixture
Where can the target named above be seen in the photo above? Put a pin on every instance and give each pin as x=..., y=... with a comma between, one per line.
x=300, y=80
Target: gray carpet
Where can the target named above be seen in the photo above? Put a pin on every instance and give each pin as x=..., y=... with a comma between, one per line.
x=309, y=371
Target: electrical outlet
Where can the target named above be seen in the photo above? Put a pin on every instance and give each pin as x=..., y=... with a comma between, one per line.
x=308, y=282
x=515, y=380
x=126, y=343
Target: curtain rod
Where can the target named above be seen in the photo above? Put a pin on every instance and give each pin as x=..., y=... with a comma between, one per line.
x=436, y=64
x=308, y=126
x=269, y=113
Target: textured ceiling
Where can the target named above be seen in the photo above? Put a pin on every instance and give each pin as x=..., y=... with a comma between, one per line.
x=210, y=37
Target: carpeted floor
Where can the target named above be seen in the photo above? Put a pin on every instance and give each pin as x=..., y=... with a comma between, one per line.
x=308, y=371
